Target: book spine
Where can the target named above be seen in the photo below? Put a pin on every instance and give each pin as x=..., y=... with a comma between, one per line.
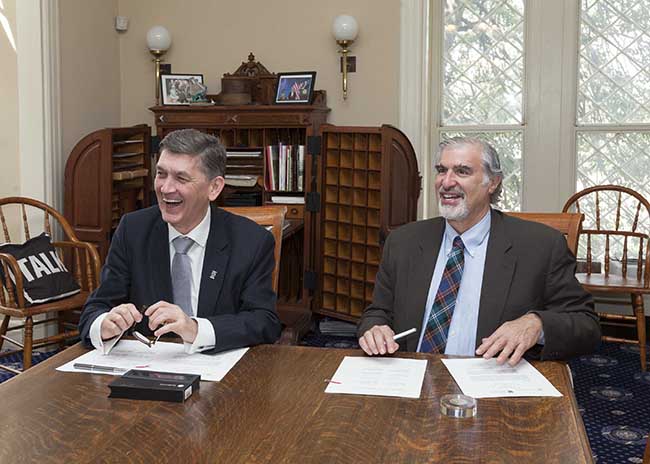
x=289, y=165
x=268, y=178
x=276, y=167
x=300, y=169
x=283, y=167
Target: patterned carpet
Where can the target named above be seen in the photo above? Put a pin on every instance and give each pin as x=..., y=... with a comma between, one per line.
x=614, y=399
x=613, y=396
x=16, y=361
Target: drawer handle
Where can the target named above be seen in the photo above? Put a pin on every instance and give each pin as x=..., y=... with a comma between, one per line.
x=161, y=118
x=233, y=119
x=294, y=211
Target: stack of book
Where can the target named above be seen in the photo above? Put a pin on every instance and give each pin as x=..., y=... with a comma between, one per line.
x=285, y=168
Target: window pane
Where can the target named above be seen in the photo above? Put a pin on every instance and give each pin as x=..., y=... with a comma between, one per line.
x=483, y=62
x=509, y=146
x=614, y=78
x=619, y=158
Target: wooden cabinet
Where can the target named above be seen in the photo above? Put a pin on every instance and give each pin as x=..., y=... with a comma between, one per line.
x=108, y=174
x=360, y=183
x=369, y=185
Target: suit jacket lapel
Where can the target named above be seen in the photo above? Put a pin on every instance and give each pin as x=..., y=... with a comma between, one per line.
x=420, y=274
x=499, y=268
x=159, y=264
x=215, y=262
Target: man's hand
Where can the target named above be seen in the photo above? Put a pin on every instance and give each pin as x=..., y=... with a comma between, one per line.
x=119, y=319
x=172, y=319
x=513, y=339
x=378, y=340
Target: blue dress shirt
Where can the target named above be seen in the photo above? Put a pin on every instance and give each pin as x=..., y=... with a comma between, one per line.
x=461, y=339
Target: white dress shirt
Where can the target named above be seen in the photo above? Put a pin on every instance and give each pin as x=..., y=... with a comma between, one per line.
x=461, y=339
x=205, y=338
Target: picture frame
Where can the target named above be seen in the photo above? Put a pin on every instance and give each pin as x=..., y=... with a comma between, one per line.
x=181, y=89
x=295, y=87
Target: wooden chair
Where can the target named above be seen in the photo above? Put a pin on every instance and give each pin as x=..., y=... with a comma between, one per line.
x=80, y=257
x=616, y=235
x=646, y=455
x=271, y=217
x=294, y=322
x=567, y=223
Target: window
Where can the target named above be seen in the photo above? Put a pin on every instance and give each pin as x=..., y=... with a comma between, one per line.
x=483, y=81
x=613, y=99
x=561, y=87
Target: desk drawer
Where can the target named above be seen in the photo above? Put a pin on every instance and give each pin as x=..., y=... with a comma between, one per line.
x=190, y=119
x=230, y=118
x=295, y=211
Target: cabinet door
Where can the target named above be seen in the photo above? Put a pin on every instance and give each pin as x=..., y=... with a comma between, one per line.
x=400, y=181
x=369, y=187
x=88, y=181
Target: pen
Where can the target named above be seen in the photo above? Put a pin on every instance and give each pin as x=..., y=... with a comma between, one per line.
x=404, y=334
x=93, y=367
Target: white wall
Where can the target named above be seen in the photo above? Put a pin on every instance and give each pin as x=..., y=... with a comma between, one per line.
x=10, y=172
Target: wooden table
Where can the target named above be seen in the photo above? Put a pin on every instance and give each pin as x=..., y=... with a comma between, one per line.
x=271, y=408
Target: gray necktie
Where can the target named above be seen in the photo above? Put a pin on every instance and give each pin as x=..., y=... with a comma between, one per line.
x=182, y=274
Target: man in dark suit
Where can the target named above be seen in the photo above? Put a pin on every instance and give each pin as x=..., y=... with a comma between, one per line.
x=200, y=272
x=476, y=281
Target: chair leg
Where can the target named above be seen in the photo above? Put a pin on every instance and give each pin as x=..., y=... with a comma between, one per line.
x=61, y=323
x=28, y=342
x=637, y=304
x=3, y=329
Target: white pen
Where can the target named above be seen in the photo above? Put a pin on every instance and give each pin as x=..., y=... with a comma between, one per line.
x=404, y=334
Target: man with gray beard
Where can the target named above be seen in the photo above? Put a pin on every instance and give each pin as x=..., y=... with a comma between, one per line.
x=475, y=281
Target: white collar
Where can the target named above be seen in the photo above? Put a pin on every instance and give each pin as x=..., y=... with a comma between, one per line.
x=199, y=234
x=473, y=237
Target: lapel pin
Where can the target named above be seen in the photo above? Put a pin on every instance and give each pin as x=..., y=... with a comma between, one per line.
x=213, y=274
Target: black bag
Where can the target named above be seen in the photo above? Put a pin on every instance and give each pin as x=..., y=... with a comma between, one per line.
x=45, y=277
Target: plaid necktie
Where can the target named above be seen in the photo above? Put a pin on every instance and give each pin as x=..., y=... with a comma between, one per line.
x=435, y=337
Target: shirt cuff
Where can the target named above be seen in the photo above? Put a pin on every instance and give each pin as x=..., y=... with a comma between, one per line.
x=205, y=337
x=103, y=346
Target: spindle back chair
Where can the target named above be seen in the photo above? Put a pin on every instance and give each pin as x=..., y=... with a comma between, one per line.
x=22, y=219
x=614, y=247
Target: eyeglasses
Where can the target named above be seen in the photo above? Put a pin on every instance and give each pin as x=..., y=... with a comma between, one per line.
x=138, y=336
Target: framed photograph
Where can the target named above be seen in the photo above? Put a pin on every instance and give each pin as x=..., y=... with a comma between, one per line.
x=295, y=87
x=181, y=89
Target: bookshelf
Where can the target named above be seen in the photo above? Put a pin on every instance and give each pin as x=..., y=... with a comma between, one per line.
x=254, y=128
x=359, y=184
x=107, y=175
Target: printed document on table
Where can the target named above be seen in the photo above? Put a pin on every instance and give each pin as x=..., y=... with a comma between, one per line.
x=378, y=376
x=163, y=356
x=484, y=378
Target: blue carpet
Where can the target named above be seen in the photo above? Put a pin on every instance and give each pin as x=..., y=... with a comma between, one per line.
x=614, y=400
x=16, y=361
x=613, y=397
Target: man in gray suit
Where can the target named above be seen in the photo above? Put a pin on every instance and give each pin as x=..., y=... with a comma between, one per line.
x=476, y=281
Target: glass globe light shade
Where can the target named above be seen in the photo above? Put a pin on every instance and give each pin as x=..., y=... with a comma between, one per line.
x=159, y=38
x=345, y=27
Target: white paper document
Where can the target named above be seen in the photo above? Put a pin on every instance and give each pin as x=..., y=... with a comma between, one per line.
x=484, y=378
x=378, y=376
x=163, y=356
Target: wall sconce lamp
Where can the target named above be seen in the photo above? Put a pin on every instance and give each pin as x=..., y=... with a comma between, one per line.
x=345, y=30
x=158, y=40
